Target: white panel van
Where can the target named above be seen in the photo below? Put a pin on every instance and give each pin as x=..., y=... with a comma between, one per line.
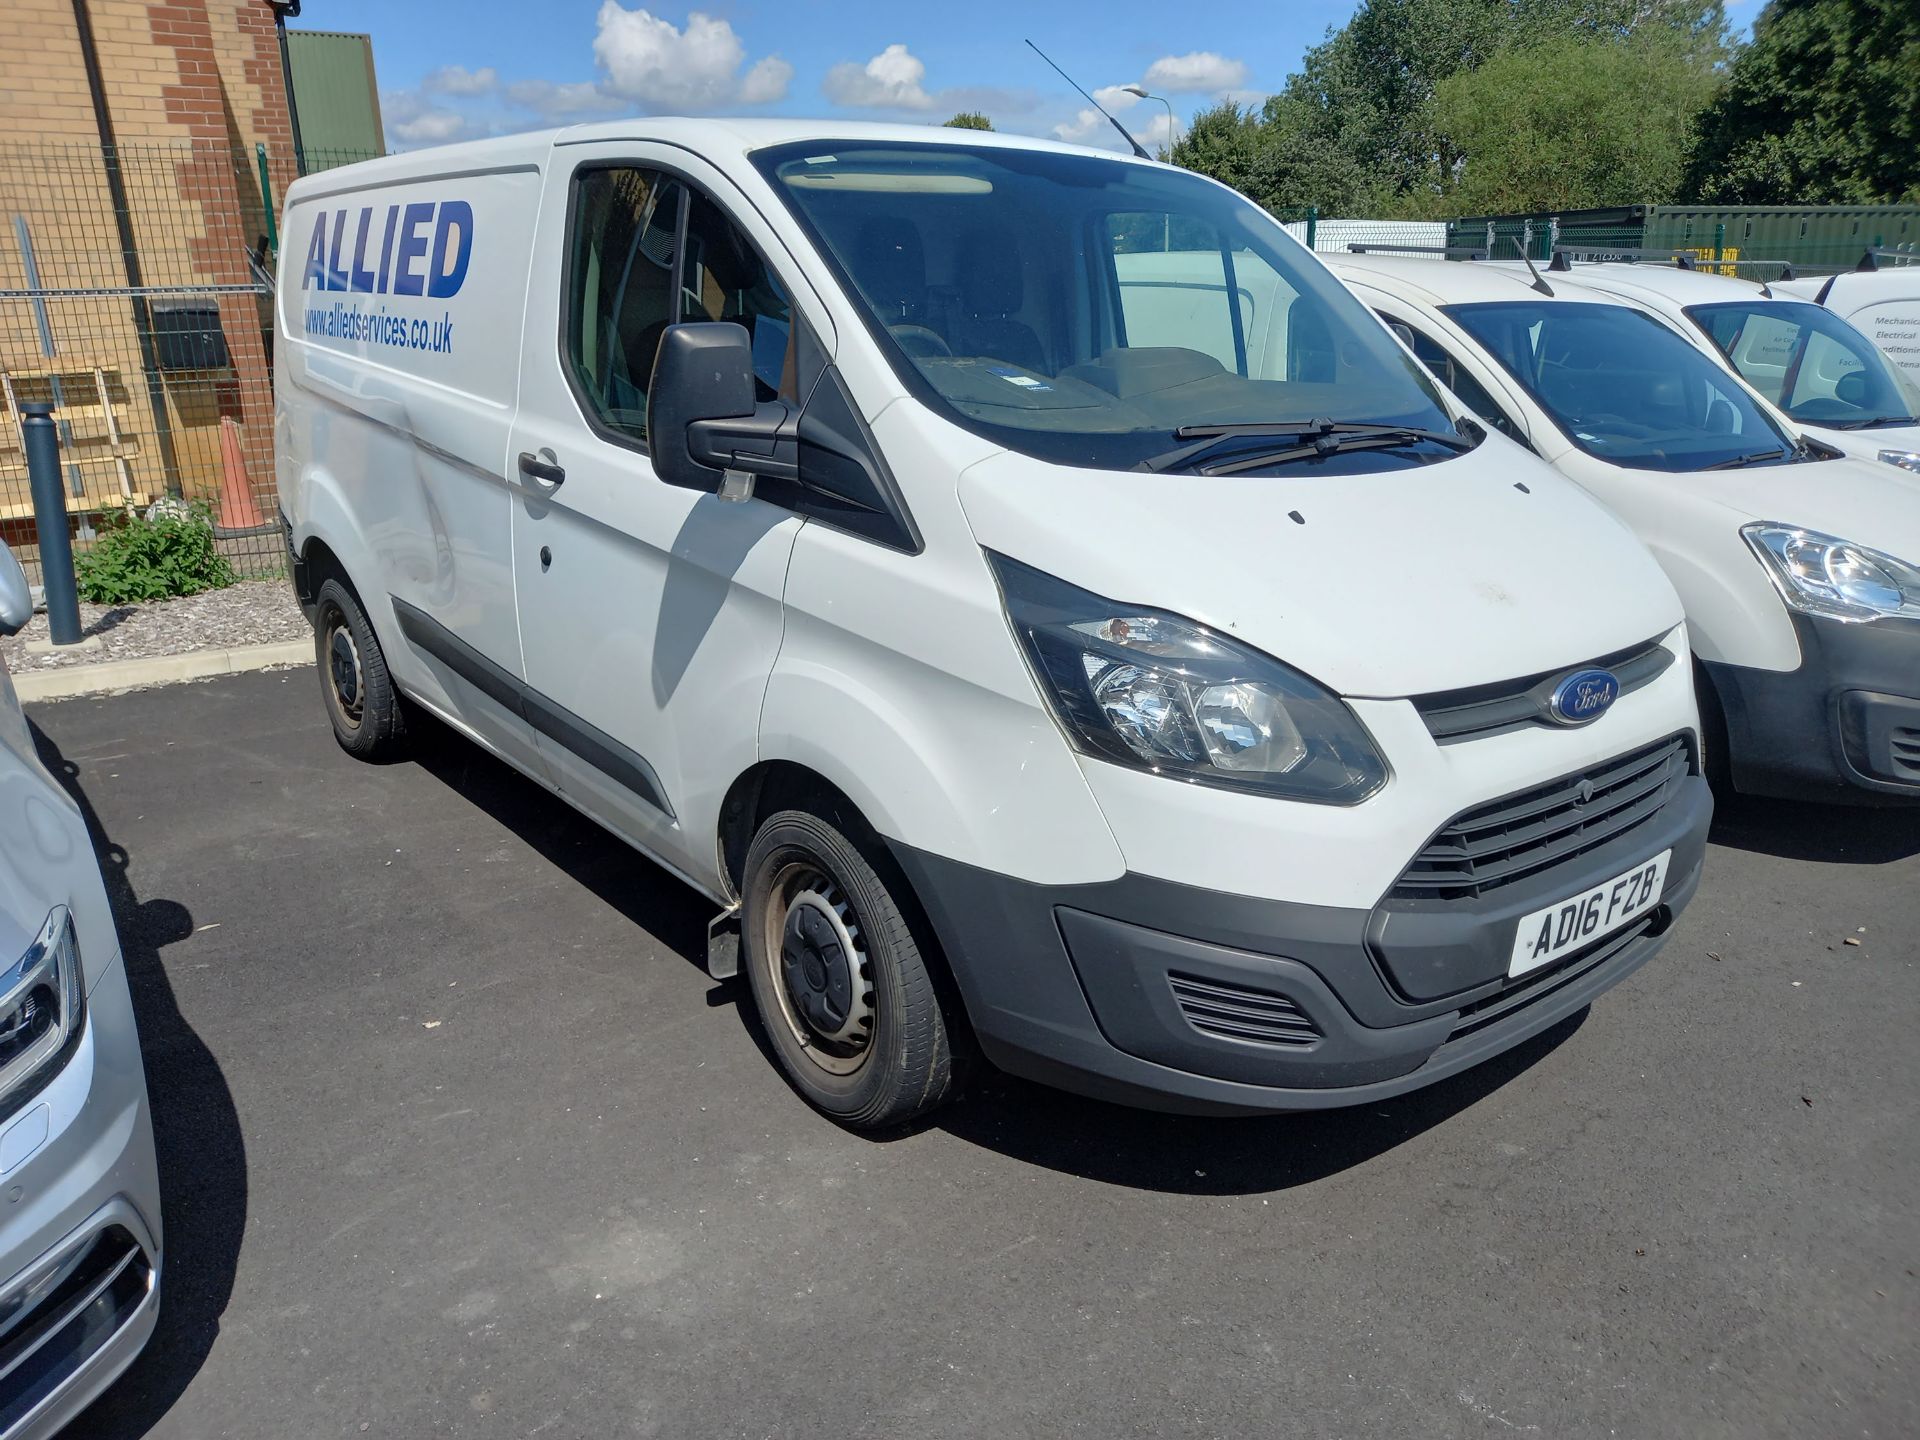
x=1883, y=303
x=1044, y=612
x=1800, y=567
x=1819, y=371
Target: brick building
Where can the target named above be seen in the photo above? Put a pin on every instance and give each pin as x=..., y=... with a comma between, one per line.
x=130, y=165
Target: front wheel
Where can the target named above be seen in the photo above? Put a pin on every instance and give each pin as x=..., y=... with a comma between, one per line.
x=843, y=990
x=361, y=700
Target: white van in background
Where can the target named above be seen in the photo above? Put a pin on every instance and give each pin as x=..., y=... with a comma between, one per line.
x=1824, y=375
x=1801, y=574
x=1130, y=662
x=1883, y=304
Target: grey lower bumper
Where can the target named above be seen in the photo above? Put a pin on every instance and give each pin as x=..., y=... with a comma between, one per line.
x=1174, y=998
x=1845, y=726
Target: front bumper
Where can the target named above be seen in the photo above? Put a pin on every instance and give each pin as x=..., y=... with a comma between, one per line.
x=79, y=1227
x=1845, y=726
x=1177, y=998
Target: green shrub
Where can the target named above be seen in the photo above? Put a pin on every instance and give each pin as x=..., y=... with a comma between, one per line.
x=150, y=557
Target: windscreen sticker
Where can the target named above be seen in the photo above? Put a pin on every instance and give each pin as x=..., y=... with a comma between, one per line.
x=1015, y=377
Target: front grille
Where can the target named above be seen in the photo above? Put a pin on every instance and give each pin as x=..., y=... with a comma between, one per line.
x=1510, y=839
x=1234, y=1012
x=1906, y=753
x=53, y=1327
x=1486, y=709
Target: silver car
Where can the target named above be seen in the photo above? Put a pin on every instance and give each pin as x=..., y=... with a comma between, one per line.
x=79, y=1189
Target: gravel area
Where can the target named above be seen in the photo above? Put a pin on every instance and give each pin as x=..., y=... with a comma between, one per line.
x=253, y=612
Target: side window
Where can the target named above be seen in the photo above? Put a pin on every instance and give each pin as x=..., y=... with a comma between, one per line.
x=725, y=279
x=1450, y=373
x=620, y=289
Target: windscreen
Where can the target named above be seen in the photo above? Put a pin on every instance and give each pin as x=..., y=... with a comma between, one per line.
x=1083, y=310
x=1811, y=363
x=1624, y=387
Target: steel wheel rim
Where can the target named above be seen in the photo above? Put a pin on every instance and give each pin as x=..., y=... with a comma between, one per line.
x=833, y=1029
x=346, y=678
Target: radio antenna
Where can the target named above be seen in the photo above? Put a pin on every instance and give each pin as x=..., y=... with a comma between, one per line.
x=1124, y=135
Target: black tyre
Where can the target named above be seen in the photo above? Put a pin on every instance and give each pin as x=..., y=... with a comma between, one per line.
x=843, y=989
x=366, y=710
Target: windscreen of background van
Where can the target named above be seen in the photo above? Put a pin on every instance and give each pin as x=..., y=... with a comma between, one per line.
x=1625, y=388
x=1081, y=309
x=1811, y=363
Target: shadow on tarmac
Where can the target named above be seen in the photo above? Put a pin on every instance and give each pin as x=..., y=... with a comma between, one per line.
x=1042, y=1126
x=1832, y=834
x=1188, y=1155
x=196, y=1131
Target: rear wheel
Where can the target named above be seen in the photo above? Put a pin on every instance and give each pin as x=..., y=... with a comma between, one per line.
x=843, y=990
x=362, y=704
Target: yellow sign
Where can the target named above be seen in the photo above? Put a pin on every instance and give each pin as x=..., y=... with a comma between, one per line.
x=1705, y=259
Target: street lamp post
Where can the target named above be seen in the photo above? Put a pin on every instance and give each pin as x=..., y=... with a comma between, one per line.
x=1166, y=221
x=1172, y=125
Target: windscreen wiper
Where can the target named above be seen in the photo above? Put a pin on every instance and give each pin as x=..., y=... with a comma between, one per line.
x=1874, y=420
x=1322, y=437
x=1754, y=459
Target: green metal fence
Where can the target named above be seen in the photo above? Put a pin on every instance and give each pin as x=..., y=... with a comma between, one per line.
x=1760, y=243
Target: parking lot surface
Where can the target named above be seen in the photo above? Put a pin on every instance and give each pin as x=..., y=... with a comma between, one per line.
x=457, y=1138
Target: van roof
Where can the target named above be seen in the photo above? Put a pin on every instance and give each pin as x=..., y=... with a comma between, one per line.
x=1669, y=282
x=710, y=136
x=1453, y=282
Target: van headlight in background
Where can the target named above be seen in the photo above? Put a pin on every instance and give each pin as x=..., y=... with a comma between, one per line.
x=1158, y=693
x=42, y=1006
x=1821, y=575
x=1905, y=459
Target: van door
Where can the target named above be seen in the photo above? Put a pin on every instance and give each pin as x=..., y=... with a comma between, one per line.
x=650, y=616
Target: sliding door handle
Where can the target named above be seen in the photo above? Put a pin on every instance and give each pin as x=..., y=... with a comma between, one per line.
x=532, y=467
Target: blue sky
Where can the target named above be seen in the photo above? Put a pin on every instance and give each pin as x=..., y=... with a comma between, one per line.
x=453, y=69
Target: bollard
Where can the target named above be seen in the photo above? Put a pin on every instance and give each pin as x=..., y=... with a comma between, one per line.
x=50, y=521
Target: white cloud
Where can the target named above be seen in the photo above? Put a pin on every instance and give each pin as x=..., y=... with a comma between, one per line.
x=659, y=66
x=458, y=80
x=766, y=82
x=560, y=103
x=1090, y=127
x=433, y=127
x=1199, y=73
x=891, y=80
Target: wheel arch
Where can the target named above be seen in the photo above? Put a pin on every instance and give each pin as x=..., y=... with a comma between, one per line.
x=769, y=786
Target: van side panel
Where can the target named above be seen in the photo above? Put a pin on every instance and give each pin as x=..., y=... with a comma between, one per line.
x=900, y=682
x=400, y=310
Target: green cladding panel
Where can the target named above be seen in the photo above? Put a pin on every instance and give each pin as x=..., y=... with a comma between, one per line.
x=337, y=96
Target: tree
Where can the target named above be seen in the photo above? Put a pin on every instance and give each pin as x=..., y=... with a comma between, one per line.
x=1355, y=131
x=1570, y=123
x=970, y=120
x=1823, y=107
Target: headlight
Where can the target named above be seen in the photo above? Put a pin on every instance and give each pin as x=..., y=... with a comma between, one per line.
x=1159, y=693
x=1905, y=459
x=1819, y=575
x=41, y=1004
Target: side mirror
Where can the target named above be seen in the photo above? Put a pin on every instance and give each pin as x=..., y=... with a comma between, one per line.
x=1403, y=331
x=16, y=599
x=705, y=429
